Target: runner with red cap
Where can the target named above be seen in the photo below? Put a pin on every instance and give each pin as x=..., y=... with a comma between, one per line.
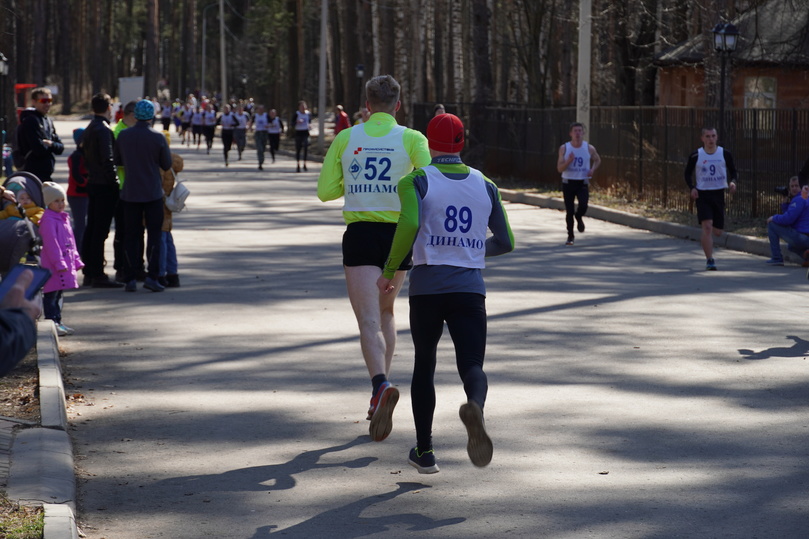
x=447, y=210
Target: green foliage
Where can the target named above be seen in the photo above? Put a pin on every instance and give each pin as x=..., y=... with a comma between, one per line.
x=20, y=522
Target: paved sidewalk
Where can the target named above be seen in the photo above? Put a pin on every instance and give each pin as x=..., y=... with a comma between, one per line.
x=632, y=393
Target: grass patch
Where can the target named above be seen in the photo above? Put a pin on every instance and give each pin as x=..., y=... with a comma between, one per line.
x=19, y=521
x=747, y=227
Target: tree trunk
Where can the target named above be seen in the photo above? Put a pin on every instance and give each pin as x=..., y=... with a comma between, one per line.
x=66, y=52
x=376, y=47
x=95, y=52
x=152, y=65
x=300, y=53
x=481, y=23
x=38, y=59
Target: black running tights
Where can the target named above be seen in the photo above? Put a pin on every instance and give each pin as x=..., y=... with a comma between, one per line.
x=465, y=315
x=572, y=190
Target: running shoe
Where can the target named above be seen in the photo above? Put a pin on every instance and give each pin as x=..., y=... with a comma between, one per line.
x=710, y=265
x=479, y=446
x=63, y=330
x=383, y=404
x=67, y=329
x=569, y=240
x=580, y=222
x=423, y=462
x=775, y=262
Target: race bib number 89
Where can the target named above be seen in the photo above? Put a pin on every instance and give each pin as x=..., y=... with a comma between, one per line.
x=456, y=216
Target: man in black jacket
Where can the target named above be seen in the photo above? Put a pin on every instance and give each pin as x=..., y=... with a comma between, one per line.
x=103, y=192
x=38, y=141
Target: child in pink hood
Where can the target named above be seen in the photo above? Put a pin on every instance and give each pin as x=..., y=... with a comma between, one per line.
x=59, y=254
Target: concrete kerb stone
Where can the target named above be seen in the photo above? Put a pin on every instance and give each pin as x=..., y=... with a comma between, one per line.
x=60, y=523
x=42, y=467
x=51, y=387
x=735, y=242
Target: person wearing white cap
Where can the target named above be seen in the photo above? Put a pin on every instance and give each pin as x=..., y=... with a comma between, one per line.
x=447, y=209
x=144, y=152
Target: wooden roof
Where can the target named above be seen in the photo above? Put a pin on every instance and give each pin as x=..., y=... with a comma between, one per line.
x=776, y=33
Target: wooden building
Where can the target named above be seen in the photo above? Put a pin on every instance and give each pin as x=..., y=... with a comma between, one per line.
x=768, y=70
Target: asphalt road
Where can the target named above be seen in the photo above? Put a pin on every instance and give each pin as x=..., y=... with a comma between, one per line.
x=632, y=394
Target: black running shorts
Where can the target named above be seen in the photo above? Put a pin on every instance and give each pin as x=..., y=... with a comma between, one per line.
x=368, y=244
x=711, y=207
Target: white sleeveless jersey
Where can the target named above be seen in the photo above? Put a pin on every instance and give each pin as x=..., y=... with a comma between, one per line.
x=228, y=121
x=453, y=220
x=242, y=120
x=372, y=168
x=196, y=118
x=711, y=171
x=187, y=114
x=578, y=169
x=274, y=126
x=209, y=118
x=301, y=121
x=261, y=121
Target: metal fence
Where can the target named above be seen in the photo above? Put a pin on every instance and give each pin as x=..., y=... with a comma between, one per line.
x=643, y=149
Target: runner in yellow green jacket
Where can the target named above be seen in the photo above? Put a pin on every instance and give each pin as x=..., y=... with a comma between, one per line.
x=364, y=165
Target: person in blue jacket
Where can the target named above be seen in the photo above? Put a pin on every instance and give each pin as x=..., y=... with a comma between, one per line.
x=791, y=225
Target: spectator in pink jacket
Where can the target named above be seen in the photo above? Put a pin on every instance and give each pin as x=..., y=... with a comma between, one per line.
x=59, y=254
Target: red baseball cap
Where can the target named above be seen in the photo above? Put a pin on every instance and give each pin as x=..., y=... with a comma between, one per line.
x=445, y=133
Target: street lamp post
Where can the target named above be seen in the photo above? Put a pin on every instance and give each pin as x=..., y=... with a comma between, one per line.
x=360, y=69
x=725, y=37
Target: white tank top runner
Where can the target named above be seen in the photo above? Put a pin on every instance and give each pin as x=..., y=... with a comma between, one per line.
x=260, y=121
x=453, y=220
x=372, y=168
x=209, y=118
x=711, y=170
x=274, y=126
x=301, y=121
x=228, y=121
x=577, y=170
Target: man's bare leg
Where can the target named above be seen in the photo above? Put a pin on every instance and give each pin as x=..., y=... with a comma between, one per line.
x=388, y=319
x=707, y=239
x=374, y=316
x=377, y=340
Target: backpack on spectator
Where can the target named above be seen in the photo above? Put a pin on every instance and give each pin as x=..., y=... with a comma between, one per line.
x=175, y=201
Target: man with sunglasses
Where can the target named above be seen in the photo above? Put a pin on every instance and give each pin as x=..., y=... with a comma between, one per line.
x=38, y=141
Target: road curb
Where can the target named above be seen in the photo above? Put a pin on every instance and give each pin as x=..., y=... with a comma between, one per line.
x=42, y=469
x=735, y=242
x=60, y=522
